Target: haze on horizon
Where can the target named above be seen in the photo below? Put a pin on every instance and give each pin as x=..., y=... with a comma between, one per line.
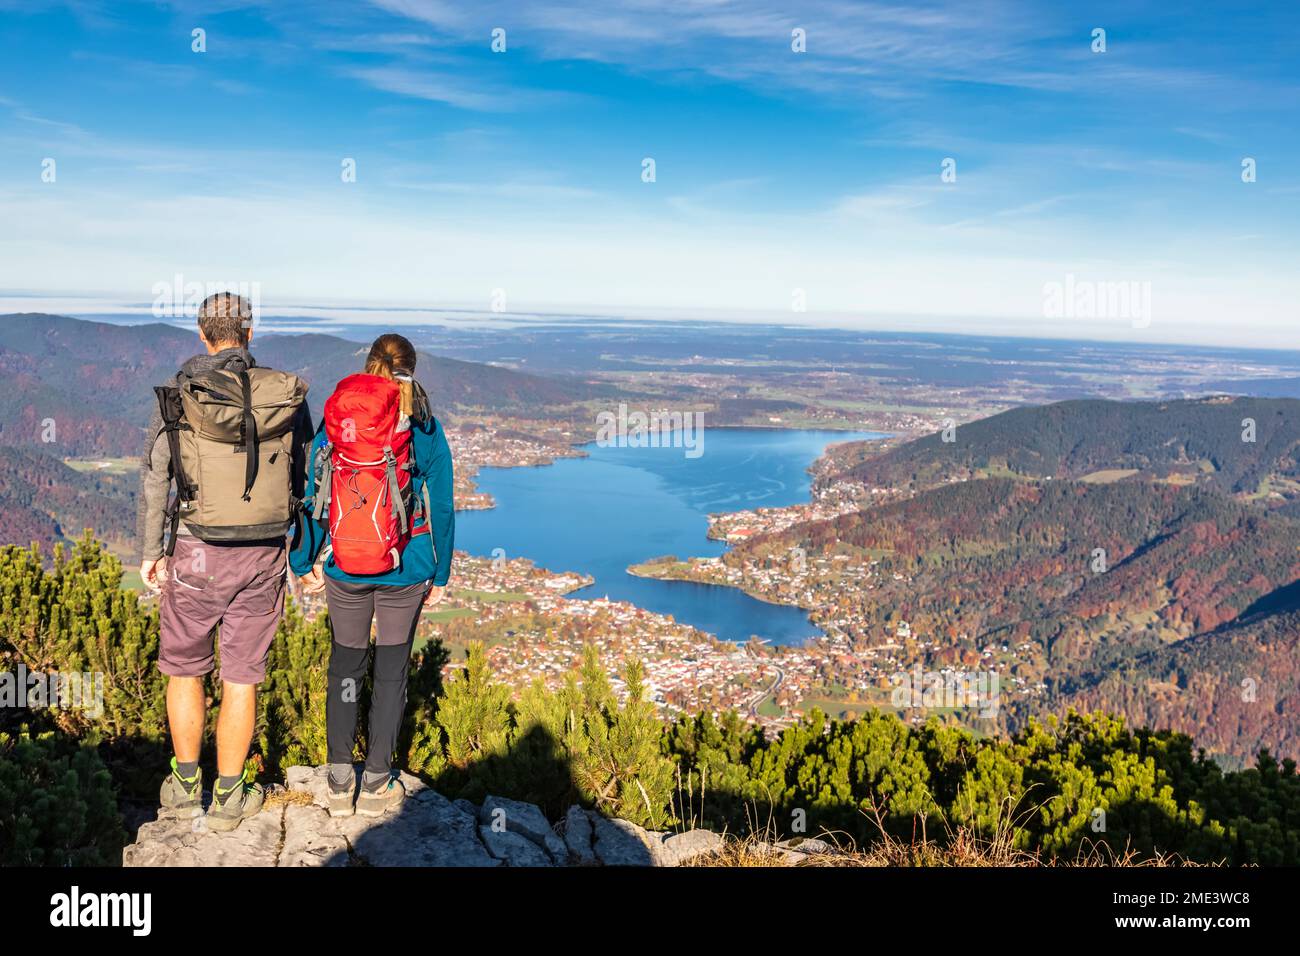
x=782, y=178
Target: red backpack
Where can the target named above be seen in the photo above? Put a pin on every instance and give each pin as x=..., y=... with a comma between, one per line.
x=363, y=475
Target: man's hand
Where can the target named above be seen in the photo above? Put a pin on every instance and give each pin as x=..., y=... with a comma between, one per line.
x=154, y=573
x=313, y=582
x=435, y=596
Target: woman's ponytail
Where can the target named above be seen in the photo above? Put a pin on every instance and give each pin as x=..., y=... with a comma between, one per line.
x=392, y=356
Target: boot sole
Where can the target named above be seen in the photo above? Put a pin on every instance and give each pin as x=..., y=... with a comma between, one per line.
x=218, y=825
x=184, y=813
x=225, y=824
x=186, y=807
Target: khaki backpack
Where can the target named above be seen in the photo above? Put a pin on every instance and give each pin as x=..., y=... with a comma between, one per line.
x=231, y=435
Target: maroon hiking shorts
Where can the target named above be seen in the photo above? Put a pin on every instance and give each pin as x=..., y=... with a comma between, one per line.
x=238, y=587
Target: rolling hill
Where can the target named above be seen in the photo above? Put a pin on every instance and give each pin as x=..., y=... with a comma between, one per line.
x=1238, y=685
x=42, y=499
x=1197, y=441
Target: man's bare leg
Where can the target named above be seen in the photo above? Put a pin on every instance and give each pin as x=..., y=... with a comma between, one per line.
x=235, y=727
x=186, y=705
x=186, y=711
x=233, y=798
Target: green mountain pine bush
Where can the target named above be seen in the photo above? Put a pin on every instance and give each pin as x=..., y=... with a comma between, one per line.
x=57, y=803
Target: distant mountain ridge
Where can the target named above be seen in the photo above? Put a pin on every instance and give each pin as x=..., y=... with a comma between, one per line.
x=1193, y=440
x=95, y=380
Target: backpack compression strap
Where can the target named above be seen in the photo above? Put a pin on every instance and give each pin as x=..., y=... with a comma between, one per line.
x=248, y=432
x=422, y=510
x=395, y=490
x=428, y=521
x=324, y=480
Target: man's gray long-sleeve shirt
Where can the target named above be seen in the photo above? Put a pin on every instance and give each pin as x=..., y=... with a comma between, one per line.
x=155, y=483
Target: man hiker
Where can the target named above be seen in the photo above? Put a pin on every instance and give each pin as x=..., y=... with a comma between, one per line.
x=233, y=437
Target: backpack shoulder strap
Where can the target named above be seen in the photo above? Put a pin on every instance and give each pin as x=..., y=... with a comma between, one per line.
x=173, y=422
x=420, y=406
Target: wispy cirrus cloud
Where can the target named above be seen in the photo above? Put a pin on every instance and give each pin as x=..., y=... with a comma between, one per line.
x=441, y=87
x=884, y=50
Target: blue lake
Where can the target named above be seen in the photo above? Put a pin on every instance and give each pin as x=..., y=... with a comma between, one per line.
x=621, y=506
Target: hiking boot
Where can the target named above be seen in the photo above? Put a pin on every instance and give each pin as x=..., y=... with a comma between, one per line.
x=230, y=809
x=181, y=795
x=341, y=801
x=375, y=803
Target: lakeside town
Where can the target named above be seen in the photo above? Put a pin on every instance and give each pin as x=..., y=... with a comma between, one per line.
x=491, y=444
x=533, y=628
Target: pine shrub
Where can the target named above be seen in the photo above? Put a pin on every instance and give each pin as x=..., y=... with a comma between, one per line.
x=57, y=803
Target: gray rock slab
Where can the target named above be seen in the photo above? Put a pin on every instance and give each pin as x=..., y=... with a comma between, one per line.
x=678, y=848
x=171, y=841
x=621, y=843
x=311, y=838
x=525, y=819
x=425, y=830
x=578, y=837
x=513, y=849
x=808, y=845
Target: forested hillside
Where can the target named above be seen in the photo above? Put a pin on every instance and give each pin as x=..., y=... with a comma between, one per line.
x=1207, y=440
x=42, y=499
x=1168, y=603
x=1235, y=685
x=998, y=554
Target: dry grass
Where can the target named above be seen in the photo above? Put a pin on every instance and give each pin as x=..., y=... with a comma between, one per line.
x=283, y=797
x=1108, y=476
x=960, y=846
x=964, y=849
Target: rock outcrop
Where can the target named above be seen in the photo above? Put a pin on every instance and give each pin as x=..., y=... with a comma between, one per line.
x=294, y=829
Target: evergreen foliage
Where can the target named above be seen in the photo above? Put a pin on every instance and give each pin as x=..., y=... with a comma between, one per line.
x=57, y=803
x=1059, y=785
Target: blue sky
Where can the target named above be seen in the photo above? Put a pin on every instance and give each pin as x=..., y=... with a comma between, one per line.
x=776, y=171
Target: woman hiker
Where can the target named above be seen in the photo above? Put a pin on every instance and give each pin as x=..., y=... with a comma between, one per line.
x=380, y=509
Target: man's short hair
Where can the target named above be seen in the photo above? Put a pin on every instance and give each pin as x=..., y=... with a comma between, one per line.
x=225, y=317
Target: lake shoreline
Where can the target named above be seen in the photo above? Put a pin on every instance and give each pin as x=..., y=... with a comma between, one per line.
x=601, y=512
x=644, y=570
